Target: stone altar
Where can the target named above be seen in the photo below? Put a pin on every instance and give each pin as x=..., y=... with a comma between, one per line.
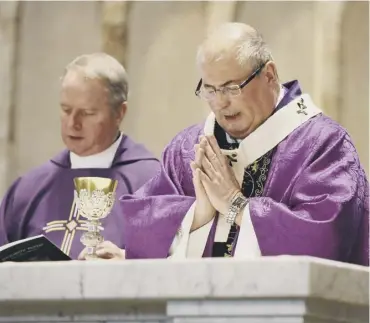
x=281, y=289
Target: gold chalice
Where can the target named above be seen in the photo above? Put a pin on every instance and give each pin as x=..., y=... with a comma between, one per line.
x=94, y=197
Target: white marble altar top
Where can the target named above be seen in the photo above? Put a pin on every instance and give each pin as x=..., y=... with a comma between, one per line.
x=276, y=277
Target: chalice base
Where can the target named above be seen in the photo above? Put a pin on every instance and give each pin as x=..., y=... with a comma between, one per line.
x=91, y=240
x=91, y=254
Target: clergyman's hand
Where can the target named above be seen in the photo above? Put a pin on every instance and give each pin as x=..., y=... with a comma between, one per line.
x=217, y=177
x=106, y=250
x=204, y=211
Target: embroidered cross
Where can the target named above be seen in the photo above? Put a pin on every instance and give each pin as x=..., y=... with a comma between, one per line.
x=301, y=107
x=255, y=167
x=69, y=227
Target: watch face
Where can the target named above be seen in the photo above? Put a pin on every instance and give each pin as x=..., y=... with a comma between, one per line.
x=239, y=200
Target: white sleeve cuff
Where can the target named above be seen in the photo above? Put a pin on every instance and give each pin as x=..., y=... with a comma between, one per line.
x=247, y=245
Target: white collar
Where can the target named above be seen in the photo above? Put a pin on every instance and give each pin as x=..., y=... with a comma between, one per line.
x=281, y=124
x=103, y=159
x=282, y=92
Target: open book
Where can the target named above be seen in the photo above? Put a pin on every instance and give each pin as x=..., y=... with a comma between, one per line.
x=37, y=248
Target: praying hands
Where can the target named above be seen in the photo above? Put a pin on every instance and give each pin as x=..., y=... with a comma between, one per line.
x=215, y=175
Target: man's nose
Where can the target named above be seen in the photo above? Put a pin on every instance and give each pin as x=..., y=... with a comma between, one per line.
x=74, y=122
x=222, y=100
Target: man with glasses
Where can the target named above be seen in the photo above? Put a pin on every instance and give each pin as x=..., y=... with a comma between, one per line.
x=266, y=174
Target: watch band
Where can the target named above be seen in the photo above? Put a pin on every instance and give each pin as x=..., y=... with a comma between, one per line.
x=239, y=201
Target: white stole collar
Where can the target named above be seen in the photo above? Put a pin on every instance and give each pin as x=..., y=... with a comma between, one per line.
x=103, y=159
x=272, y=131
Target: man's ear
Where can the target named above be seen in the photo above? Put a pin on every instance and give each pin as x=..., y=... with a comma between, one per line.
x=121, y=112
x=270, y=73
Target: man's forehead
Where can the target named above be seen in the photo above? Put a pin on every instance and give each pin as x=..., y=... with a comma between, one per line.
x=222, y=74
x=77, y=81
x=79, y=88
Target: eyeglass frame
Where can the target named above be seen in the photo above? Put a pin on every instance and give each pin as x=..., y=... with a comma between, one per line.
x=241, y=85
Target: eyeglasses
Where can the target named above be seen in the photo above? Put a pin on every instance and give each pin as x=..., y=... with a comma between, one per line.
x=210, y=94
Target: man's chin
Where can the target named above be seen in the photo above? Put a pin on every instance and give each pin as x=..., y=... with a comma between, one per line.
x=237, y=133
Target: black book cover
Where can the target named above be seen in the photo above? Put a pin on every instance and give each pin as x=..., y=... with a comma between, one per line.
x=38, y=248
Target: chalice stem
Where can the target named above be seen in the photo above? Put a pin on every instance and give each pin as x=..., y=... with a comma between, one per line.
x=92, y=238
x=93, y=226
x=91, y=253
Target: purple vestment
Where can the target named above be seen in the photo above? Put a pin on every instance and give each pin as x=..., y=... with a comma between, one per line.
x=41, y=202
x=315, y=200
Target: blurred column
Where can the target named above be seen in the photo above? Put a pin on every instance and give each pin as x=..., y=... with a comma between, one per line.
x=354, y=80
x=9, y=14
x=327, y=54
x=219, y=12
x=114, y=28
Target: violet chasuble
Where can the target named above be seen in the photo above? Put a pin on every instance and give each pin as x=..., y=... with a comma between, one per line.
x=309, y=193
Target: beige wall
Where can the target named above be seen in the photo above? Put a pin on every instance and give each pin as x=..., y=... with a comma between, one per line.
x=354, y=77
x=163, y=77
x=291, y=39
x=8, y=50
x=51, y=34
x=324, y=45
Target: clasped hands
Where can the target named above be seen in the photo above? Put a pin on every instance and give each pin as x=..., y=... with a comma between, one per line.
x=214, y=181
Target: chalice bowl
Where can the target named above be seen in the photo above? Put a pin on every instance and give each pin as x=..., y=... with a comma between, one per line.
x=94, y=197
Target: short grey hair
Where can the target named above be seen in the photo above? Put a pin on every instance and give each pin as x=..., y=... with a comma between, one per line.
x=105, y=68
x=240, y=40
